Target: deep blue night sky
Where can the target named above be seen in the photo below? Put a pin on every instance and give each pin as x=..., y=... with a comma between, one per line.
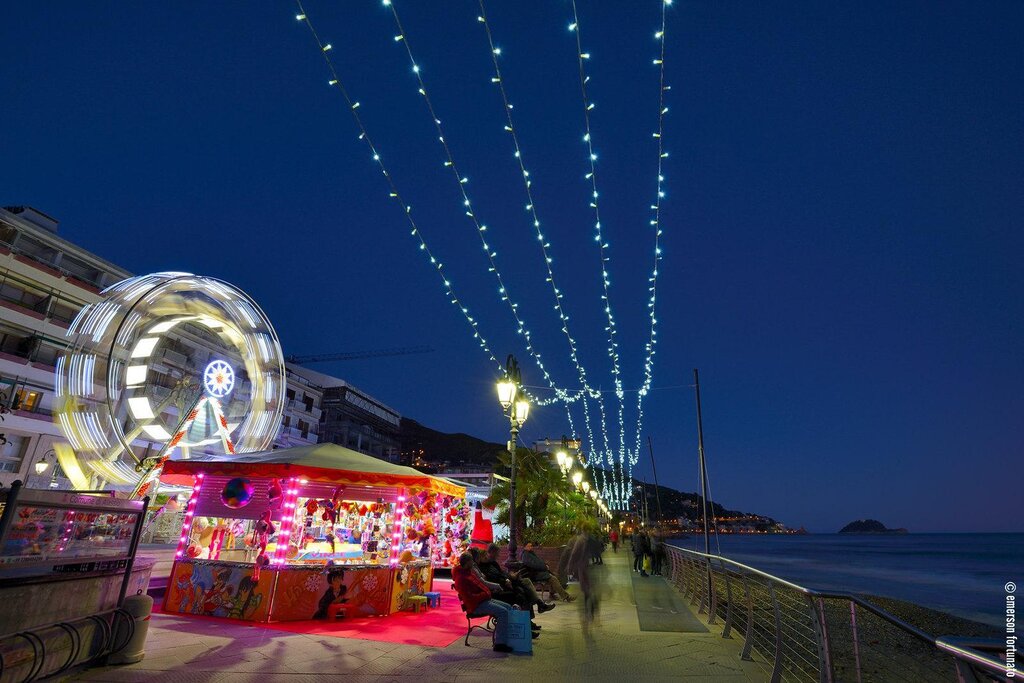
x=843, y=221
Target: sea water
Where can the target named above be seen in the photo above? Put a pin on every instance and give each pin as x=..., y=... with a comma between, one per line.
x=962, y=574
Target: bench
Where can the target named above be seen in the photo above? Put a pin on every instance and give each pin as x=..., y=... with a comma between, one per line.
x=488, y=625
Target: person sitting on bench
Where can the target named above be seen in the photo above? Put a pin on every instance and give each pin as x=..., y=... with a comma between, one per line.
x=492, y=571
x=537, y=570
x=477, y=599
x=510, y=593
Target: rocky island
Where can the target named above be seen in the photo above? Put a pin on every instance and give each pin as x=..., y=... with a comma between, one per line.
x=869, y=526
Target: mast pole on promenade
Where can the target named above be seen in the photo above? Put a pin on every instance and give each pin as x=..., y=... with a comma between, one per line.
x=657, y=493
x=703, y=465
x=703, y=485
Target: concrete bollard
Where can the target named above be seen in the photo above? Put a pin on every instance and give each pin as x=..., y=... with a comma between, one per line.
x=140, y=607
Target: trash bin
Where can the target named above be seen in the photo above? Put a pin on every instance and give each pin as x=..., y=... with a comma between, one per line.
x=140, y=607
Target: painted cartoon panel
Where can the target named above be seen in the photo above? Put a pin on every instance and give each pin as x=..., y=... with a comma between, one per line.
x=321, y=593
x=413, y=578
x=219, y=589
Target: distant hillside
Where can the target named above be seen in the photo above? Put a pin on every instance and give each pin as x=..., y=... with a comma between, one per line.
x=437, y=449
x=433, y=451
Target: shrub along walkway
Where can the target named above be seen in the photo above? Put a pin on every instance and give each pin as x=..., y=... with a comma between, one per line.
x=612, y=648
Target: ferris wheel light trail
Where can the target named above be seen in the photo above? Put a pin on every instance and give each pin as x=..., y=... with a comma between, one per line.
x=125, y=377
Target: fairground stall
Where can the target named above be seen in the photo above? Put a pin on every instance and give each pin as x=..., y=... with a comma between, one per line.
x=310, y=532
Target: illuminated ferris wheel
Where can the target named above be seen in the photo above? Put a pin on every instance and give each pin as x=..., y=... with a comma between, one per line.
x=166, y=363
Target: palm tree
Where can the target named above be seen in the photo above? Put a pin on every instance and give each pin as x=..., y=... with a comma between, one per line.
x=546, y=502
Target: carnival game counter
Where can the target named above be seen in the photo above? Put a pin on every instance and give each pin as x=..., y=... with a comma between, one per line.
x=292, y=592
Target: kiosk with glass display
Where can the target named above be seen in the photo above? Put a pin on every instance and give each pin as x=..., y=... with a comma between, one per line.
x=310, y=532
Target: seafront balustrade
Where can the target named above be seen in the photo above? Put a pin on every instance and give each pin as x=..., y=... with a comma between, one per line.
x=801, y=634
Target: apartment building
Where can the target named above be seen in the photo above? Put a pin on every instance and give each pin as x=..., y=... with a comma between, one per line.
x=300, y=421
x=44, y=281
x=352, y=418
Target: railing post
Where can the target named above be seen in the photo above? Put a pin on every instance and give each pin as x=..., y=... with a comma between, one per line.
x=705, y=578
x=856, y=639
x=712, y=594
x=964, y=672
x=817, y=606
x=777, y=664
x=728, y=602
x=694, y=581
x=748, y=637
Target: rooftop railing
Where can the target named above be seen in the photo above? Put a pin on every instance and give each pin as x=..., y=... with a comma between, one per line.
x=801, y=634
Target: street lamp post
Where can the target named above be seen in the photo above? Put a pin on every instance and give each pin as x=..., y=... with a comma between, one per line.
x=516, y=408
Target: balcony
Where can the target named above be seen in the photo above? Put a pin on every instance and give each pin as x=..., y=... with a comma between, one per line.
x=296, y=406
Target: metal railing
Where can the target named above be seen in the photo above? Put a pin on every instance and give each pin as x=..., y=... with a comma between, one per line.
x=801, y=634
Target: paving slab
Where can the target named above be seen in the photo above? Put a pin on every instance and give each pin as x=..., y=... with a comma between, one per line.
x=612, y=647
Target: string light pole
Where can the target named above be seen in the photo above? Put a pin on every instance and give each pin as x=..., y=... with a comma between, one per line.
x=516, y=407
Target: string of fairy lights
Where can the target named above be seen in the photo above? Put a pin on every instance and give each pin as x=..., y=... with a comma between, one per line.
x=531, y=209
x=618, y=491
x=616, y=487
x=353, y=106
x=471, y=213
x=652, y=341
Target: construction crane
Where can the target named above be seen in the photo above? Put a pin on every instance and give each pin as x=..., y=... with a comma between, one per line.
x=355, y=355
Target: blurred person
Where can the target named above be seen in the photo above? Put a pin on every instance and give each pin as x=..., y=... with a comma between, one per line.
x=637, y=546
x=614, y=538
x=657, y=552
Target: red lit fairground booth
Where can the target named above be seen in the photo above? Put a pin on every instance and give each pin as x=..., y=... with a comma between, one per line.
x=300, y=533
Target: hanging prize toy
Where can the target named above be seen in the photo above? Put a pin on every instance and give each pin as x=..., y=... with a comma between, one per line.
x=263, y=531
x=274, y=493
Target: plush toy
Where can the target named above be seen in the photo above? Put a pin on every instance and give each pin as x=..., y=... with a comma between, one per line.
x=330, y=511
x=193, y=550
x=312, y=506
x=274, y=493
x=262, y=532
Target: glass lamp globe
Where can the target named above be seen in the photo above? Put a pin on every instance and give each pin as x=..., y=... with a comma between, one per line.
x=577, y=477
x=506, y=392
x=522, y=409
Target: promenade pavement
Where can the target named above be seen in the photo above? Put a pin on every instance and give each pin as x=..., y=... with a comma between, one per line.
x=613, y=648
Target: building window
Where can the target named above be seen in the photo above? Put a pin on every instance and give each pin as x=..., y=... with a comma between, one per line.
x=26, y=399
x=63, y=312
x=12, y=452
